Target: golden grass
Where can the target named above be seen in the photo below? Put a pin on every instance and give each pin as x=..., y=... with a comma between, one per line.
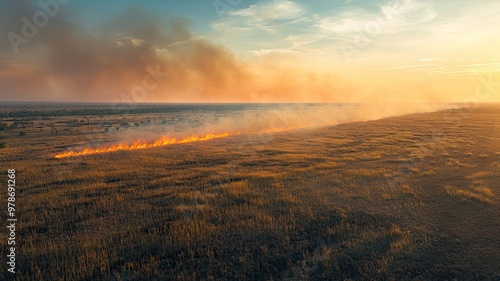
x=480, y=174
x=351, y=202
x=481, y=194
x=484, y=191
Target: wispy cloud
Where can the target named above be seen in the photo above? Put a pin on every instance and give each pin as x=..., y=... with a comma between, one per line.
x=261, y=15
x=392, y=17
x=264, y=52
x=296, y=28
x=268, y=11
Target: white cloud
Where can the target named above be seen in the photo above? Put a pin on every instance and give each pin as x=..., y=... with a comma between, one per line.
x=399, y=30
x=264, y=52
x=266, y=11
x=391, y=18
x=259, y=15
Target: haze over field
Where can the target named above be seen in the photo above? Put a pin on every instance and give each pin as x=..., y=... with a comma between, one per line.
x=413, y=197
x=250, y=51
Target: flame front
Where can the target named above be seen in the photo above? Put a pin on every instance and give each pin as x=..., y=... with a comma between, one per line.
x=163, y=141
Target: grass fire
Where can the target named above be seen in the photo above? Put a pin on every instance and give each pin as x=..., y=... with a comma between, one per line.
x=163, y=141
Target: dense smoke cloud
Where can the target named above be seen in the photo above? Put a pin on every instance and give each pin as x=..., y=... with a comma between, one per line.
x=136, y=56
x=64, y=61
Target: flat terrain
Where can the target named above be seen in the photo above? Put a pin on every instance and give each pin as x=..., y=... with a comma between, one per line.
x=404, y=198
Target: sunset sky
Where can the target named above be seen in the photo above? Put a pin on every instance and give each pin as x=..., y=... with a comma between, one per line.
x=250, y=51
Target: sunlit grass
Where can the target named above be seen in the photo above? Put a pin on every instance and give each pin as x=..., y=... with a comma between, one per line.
x=481, y=194
x=351, y=202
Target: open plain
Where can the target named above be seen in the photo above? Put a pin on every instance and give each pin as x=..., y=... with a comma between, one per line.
x=414, y=197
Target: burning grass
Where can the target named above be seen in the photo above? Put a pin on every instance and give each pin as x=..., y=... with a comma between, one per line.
x=163, y=141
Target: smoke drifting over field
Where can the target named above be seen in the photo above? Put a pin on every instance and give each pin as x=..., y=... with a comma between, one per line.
x=136, y=56
x=108, y=63
x=79, y=65
x=257, y=123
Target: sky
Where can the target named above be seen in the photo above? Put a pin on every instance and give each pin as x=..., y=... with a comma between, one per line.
x=250, y=51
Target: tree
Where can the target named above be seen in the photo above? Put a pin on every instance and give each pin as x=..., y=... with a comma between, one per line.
x=88, y=124
x=40, y=126
x=52, y=127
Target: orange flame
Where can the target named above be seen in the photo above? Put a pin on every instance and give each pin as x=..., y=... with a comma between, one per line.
x=163, y=141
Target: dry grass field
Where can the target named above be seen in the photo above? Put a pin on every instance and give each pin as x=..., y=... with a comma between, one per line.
x=414, y=197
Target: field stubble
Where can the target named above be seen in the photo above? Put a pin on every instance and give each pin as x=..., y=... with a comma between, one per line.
x=411, y=197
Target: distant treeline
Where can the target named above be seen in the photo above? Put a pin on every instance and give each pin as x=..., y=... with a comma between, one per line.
x=86, y=111
x=82, y=112
x=48, y=110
